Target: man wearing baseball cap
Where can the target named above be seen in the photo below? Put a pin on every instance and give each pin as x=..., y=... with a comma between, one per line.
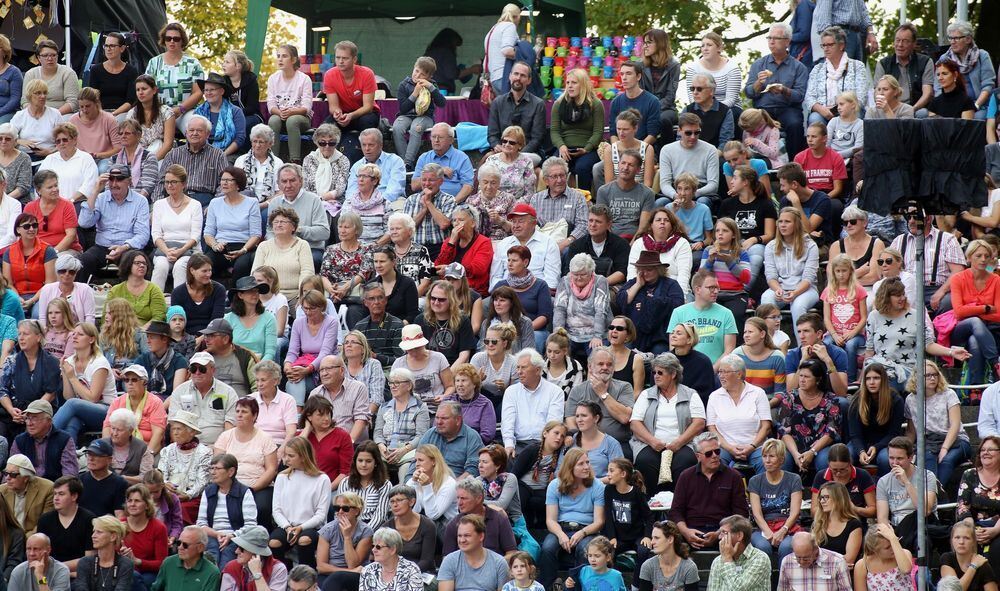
x=210, y=399
x=120, y=215
x=545, y=261
x=27, y=495
x=233, y=364
x=52, y=451
x=103, y=490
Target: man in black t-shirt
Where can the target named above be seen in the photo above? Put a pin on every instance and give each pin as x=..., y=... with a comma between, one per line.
x=103, y=490
x=69, y=524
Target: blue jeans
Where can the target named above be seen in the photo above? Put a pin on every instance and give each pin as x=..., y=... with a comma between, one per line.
x=799, y=305
x=852, y=346
x=815, y=117
x=754, y=460
x=819, y=463
x=224, y=556
x=881, y=459
x=959, y=453
x=973, y=334
x=552, y=552
x=77, y=414
x=783, y=549
x=540, y=337
x=415, y=127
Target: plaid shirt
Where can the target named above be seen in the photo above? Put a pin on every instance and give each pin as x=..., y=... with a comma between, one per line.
x=204, y=169
x=827, y=573
x=750, y=572
x=428, y=232
x=570, y=206
x=849, y=13
x=383, y=338
x=396, y=429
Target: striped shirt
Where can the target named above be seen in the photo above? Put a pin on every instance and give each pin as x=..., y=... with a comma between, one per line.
x=843, y=13
x=732, y=278
x=768, y=375
x=376, y=500
x=204, y=168
x=728, y=81
x=571, y=206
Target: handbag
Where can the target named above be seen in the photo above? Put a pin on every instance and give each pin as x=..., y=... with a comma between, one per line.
x=486, y=93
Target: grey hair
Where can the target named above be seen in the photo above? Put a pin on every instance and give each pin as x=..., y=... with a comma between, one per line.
x=553, y=161
x=949, y=584
x=962, y=28
x=403, y=489
x=669, y=362
x=703, y=437
x=399, y=373
x=8, y=130
x=446, y=127
x=596, y=351
x=327, y=130
x=853, y=212
x=490, y=170
x=125, y=417
x=436, y=169
x=303, y=573
x=534, y=357
x=734, y=362
x=708, y=78
x=453, y=405
x=371, y=131
x=390, y=537
x=838, y=34
x=471, y=486
x=262, y=131
x=404, y=217
x=786, y=29
x=68, y=262
x=268, y=367
x=349, y=217
x=295, y=168
x=202, y=536
x=582, y=262
x=470, y=211
x=197, y=117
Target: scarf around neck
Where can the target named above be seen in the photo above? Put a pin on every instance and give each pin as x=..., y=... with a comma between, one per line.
x=324, y=171
x=520, y=283
x=649, y=243
x=252, y=168
x=370, y=204
x=966, y=64
x=583, y=293
x=834, y=76
x=137, y=410
x=224, y=129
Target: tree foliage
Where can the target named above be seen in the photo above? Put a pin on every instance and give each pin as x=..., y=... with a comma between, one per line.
x=217, y=26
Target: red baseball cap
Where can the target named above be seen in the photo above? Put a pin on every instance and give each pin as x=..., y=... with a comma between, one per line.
x=523, y=209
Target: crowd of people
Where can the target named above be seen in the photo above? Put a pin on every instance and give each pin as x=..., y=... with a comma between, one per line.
x=363, y=368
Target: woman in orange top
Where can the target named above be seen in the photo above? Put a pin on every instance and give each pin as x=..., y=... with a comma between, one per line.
x=29, y=263
x=975, y=296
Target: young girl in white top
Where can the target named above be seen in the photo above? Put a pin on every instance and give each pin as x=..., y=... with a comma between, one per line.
x=88, y=385
x=846, y=131
x=301, y=502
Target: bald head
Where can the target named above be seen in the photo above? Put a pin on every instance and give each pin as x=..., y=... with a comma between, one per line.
x=805, y=549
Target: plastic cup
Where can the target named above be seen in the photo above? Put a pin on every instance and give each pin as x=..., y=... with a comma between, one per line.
x=550, y=51
x=609, y=72
x=557, y=83
x=558, y=71
x=594, y=71
x=574, y=41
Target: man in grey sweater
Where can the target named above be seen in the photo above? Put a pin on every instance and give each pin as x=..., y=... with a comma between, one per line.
x=314, y=225
x=40, y=571
x=690, y=154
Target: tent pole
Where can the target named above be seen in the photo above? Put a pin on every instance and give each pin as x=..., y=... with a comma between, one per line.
x=962, y=13
x=942, y=22
x=902, y=11
x=68, y=35
x=920, y=479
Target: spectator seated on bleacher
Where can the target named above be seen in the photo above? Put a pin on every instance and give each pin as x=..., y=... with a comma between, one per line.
x=229, y=126
x=975, y=294
x=518, y=108
x=626, y=127
x=738, y=412
x=947, y=442
x=392, y=184
x=837, y=73
x=76, y=169
x=456, y=166
x=432, y=207
x=863, y=248
x=738, y=563
x=752, y=208
x=762, y=137
x=40, y=566
x=815, y=206
x=947, y=258
x=775, y=502
x=75, y=536
x=350, y=92
x=810, y=419
x=630, y=202
x=890, y=266
x=35, y=121
x=261, y=164
x=667, y=239
x=647, y=302
x=289, y=100
x=634, y=96
x=717, y=124
x=846, y=131
x=23, y=486
x=845, y=311
x=40, y=437
x=561, y=210
x=314, y=222
x=660, y=76
x=906, y=63
x=515, y=169
x=470, y=499
x=103, y=490
x=976, y=507
x=472, y=566
x=583, y=306
x=203, y=162
x=825, y=171
x=326, y=169
x=577, y=126
x=813, y=568
x=896, y=492
x=694, y=156
x=860, y=487
x=836, y=524
x=714, y=323
x=875, y=416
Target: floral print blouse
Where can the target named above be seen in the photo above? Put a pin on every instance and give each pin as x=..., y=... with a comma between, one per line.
x=502, y=204
x=340, y=266
x=808, y=426
x=517, y=178
x=976, y=500
x=152, y=132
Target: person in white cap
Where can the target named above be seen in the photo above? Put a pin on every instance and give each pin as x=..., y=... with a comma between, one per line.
x=25, y=493
x=212, y=401
x=150, y=416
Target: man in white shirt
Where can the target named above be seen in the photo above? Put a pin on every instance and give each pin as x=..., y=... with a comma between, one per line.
x=529, y=404
x=545, y=263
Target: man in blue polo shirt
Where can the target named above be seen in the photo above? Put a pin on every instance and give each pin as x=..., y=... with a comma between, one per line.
x=777, y=83
x=458, y=442
x=458, y=172
x=121, y=217
x=810, y=331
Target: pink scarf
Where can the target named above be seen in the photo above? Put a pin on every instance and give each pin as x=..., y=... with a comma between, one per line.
x=135, y=165
x=583, y=293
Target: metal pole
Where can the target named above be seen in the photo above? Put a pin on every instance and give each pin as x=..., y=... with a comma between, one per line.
x=68, y=35
x=942, y=21
x=920, y=480
x=902, y=11
x=962, y=12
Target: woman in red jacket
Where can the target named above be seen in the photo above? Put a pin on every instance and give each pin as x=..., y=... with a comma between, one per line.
x=975, y=297
x=29, y=263
x=467, y=246
x=146, y=540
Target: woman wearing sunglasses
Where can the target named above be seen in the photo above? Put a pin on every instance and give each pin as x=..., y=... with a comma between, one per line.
x=326, y=168
x=175, y=72
x=889, y=265
x=29, y=263
x=863, y=248
x=344, y=544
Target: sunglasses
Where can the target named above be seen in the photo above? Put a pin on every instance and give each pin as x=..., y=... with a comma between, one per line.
x=130, y=380
x=692, y=133
x=885, y=261
x=660, y=372
x=198, y=368
x=172, y=39
x=851, y=222
x=61, y=271
x=711, y=452
x=438, y=300
x=698, y=88
x=617, y=328
x=342, y=508
x=186, y=545
x=912, y=216
x=325, y=143
x=11, y=474
x=507, y=142
x=491, y=341
x=379, y=546
x=61, y=140
x=32, y=226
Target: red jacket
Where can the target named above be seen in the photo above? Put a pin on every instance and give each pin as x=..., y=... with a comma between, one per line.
x=477, y=260
x=28, y=274
x=968, y=302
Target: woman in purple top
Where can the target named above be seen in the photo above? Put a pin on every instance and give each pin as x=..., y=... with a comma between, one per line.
x=314, y=336
x=477, y=410
x=168, y=506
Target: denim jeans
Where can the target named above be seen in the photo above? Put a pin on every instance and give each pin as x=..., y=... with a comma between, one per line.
x=77, y=414
x=959, y=453
x=815, y=117
x=540, y=337
x=799, y=305
x=784, y=548
x=881, y=458
x=973, y=334
x=755, y=460
x=852, y=346
x=415, y=127
x=222, y=557
x=552, y=552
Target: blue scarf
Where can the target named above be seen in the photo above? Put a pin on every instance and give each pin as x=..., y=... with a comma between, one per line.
x=224, y=130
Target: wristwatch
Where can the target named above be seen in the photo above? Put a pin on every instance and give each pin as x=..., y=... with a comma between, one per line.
x=604, y=396
x=43, y=581
x=256, y=576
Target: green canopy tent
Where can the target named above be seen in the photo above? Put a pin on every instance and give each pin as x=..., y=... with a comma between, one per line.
x=403, y=20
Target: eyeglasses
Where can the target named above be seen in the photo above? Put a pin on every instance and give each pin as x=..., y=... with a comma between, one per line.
x=824, y=497
x=366, y=176
x=885, y=261
x=617, y=328
x=930, y=376
x=398, y=383
x=773, y=317
x=491, y=341
x=61, y=140
x=376, y=298
x=710, y=453
x=199, y=368
x=325, y=144
x=140, y=263
x=696, y=132
x=61, y=271
x=342, y=508
x=227, y=179
x=175, y=182
x=698, y=88
x=172, y=39
x=30, y=226
x=851, y=222
x=438, y=300
x=956, y=38
x=48, y=56
x=988, y=450
x=507, y=142
x=726, y=372
x=827, y=45
x=111, y=46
